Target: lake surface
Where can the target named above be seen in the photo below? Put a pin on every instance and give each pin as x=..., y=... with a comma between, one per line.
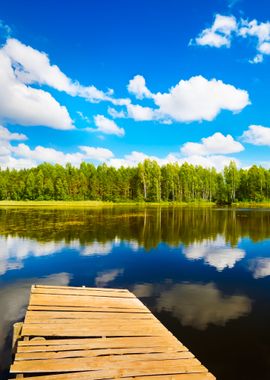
x=205, y=273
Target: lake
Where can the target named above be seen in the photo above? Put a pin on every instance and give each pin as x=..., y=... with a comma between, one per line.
x=204, y=272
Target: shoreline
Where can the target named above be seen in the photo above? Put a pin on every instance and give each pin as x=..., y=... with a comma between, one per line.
x=97, y=204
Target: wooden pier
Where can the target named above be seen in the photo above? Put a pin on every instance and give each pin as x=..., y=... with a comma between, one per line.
x=93, y=334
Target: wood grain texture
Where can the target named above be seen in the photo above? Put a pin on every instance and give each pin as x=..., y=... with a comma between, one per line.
x=94, y=333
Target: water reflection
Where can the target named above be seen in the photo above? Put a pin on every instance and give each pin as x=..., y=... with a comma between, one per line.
x=199, y=305
x=196, y=305
x=143, y=227
x=215, y=253
x=103, y=279
x=200, y=270
x=260, y=267
x=14, y=250
x=13, y=301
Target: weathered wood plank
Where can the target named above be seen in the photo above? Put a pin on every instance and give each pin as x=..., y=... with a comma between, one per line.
x=82, y=292
x=99, y=334
x=88, y=330
x=152, y=354
x=73, y=300
x=121, y=363
x=36, y=352
x=40, y=316
x=82, y=287
x=95, y=343
x=100, y=309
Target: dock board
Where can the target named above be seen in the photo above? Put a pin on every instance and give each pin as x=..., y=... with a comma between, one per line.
x=93, y=334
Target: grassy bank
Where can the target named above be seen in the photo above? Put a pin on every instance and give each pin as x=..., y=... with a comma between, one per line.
x=94, y=204
x=264, y=204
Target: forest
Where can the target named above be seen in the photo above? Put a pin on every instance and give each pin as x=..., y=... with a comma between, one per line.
x=147, y=182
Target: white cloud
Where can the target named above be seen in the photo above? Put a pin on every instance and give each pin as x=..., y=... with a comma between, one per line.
x=22, y=156
x=6, y=135
x=215, y=253
x=224, y=28
x=137, y=87
x=140, y=113
x=200, y=99
x=259, y=31
x=41, y=154
x=98, y=154
x=33, y=66
x=24, y=105
x=107, y=126
x=116, y=114
x=219, y=34
x=257, y=135
x=216, y=161
x=195, y=99
x=215, y=144
x=22, y=66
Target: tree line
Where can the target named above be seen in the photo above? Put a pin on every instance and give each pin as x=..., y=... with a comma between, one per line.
x=148, y=182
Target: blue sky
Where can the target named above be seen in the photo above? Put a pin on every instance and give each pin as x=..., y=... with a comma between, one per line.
x=118, y=81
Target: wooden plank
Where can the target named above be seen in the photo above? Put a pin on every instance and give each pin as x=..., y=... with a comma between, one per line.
x=112, y=375
x=100, y=309
x=70, y=300
x=34, y=352
x=120, y=323
x=82, y=287
x=120, y=362
x=17, y=328
x=95, y=343
x=83, y=292
x=39, y=316
x=155, y=354
x=88, y=330
x=99, y=334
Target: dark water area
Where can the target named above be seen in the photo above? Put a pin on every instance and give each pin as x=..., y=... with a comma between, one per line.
x=205, y=273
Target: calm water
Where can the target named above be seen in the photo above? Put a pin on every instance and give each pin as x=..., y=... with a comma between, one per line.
x=204, y=273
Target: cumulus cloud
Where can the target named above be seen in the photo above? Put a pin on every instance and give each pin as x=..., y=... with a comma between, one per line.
x=99, y=154
x=33, y=66
x=22, y=156
x=6, y=135
x=21, y=67
x=25, y=105
x=107, y=126
x=137, y=87
x=219, y=34
x=215, y=253
x=200, y=99
x=215, y=144
x=225, y=28
x=199, y=305
x=195, y=99
x=257, y=135
x=260, y=31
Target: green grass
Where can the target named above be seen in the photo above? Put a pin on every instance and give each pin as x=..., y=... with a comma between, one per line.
x=265, y=204
x=89, y=204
